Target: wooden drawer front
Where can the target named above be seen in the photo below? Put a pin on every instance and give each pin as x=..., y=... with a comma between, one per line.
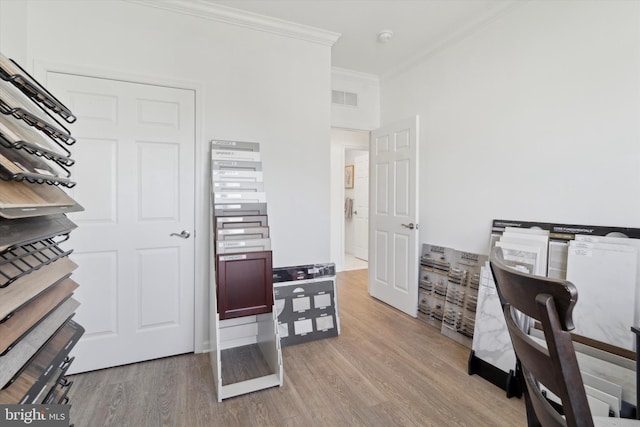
x=240, y=209
x=227, y=197
x=237, y=155
x=235, y=145
x=245, y=284
x=242, y=233
x=235, y=165
x=224, y=222
x=234, y=175
x=238, y=186
x=241, y=246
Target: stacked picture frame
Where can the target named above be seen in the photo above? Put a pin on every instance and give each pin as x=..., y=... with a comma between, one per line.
x=37, y=330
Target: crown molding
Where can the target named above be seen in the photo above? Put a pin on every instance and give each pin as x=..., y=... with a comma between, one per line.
x=356, y=75
x=228, y=15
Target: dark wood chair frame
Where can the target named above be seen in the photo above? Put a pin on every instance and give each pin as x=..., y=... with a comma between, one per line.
x=550, y=302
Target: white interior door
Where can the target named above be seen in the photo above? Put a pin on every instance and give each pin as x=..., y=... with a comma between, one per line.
x=393, y=215
x=135, y=172
x=361, y=206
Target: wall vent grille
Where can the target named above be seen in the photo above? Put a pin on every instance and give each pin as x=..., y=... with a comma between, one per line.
x=344, y=98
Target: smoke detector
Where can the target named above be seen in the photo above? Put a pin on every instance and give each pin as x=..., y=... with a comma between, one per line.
x=384, y=36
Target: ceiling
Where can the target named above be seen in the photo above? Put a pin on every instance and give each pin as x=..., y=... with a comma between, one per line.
x=419, y=26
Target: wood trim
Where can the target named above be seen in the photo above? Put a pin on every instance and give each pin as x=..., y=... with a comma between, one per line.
x=18, y=231
x=29, y=316
x=27, y=287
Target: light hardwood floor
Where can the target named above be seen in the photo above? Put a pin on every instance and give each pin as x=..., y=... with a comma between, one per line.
x=385, y=369
x=353, y=263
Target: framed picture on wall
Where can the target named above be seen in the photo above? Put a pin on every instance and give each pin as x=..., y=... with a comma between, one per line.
x=348, y=176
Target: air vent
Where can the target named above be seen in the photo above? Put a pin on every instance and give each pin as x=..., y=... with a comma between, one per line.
x=344, y=98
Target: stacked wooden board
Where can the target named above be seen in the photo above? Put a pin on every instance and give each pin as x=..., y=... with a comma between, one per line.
x=36, y=290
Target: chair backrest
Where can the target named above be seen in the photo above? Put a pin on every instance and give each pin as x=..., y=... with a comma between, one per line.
x=550, y=302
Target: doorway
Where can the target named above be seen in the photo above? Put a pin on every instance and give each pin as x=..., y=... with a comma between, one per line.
x=356, y=220
x=349, y=200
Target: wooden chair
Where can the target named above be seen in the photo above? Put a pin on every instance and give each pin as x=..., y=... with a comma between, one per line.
x=551, y=303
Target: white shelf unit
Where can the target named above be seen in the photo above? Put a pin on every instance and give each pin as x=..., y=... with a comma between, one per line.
x=246, y=344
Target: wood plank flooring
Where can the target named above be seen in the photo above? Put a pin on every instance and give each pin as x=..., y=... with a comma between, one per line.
x=385, y=369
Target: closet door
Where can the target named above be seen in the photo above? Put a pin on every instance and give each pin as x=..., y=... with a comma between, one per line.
x=136, y=166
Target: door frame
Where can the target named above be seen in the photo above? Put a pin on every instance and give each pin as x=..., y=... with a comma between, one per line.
x=355, y=199
x=338, y=230
x=202, y=230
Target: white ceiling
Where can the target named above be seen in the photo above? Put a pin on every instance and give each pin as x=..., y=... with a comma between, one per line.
x=419, y=26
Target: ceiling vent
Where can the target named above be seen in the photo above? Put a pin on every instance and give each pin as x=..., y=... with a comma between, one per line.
x=344, y=98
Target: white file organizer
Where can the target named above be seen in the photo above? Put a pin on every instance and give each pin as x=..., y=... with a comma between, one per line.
x=246, y=156
x=237, y=186
x=242, y=233
x=239, y=197
x=235, y=165
x=222, y=175
x=241, y=221
x=237, y=246
x=238, y=205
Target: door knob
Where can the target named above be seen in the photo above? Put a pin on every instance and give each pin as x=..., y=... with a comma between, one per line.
x=355, y=212
x=410, y=226
x=184, y=234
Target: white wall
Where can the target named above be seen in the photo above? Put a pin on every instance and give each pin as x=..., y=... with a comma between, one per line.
x=13, y=29
x=251, y=85
x=256, y=86
x=533, y=117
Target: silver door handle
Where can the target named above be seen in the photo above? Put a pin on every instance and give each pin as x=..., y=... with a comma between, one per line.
x=410, y=226
x=184, y=234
